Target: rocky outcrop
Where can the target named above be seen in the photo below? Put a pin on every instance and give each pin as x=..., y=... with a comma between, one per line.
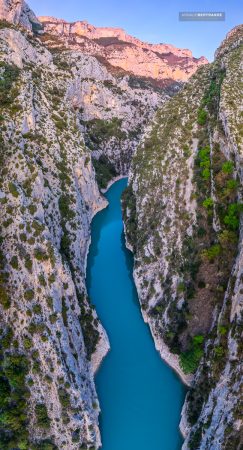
x=163, y=63
x=67, y=120
x=56, y=125
x=17, y=12
x=51, y=338
x=111, y=112
x=182, y=211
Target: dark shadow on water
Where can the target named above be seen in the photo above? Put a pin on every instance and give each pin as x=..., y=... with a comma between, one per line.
x=129, y=259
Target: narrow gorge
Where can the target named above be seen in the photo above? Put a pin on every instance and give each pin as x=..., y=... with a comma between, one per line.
x=140, y=396
x=75, y=115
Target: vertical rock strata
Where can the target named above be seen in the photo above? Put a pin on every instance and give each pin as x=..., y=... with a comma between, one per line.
x=68, y=121
x=61, y=114
x=48, y=196
x=182, y=211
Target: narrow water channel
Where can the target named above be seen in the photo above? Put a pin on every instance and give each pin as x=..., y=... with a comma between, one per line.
x=140, y=396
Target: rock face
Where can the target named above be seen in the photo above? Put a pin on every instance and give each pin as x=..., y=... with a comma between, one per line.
x=48, y=195
x=69, y=118
x=17, y=12
x=182, y=211
x=57, y=123
x=162, y=63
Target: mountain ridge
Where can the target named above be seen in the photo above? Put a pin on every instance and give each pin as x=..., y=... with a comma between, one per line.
x=156, y=61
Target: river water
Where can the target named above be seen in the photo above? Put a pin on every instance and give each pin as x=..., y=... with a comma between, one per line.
x=140, y=396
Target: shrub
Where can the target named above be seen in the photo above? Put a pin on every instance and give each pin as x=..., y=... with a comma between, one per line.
x=29, y=295
x=129, y=211
x=181, y=287
x=232, y=184
x=13, y=401
x=189, y=360
x=206, y=174
x=212, y=252
x=32, y=209
x=14, y=262
x=45, y=445
x=204, y=153
x=208, y=203
x=52, y=278
x=37, y=309
x=66, y=212
x=23, y=237
x=232, y=217
x=40, y=255
x=228, y=167
x=53, y=318
x=202, y=116
x=28, y=263
x=13, y=190
x=219, y=351
x=38, y=227
x=42, y=417
x=7, y=338
x=42, y=280
x=222, y=330
x=64, y=397
x=8, y=78
x=27, y=343
x=186, y=151
x=4, y=297
x=228, y=238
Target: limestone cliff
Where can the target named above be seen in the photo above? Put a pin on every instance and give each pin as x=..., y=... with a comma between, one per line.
x=61, y=115
x=69, y=118
x=48, y=195
x=182, y=211
x=162, y=63
x=17, y=12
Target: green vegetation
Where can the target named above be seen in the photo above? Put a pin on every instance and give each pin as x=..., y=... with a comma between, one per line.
x=14, y=262
x=40, y=254
x=64, y=207
x=4, y=295
x=130, y=215
x=89, y=327
x=99, y=131
x=189, y=360
x=208, y=203
x=212, y=96
x=47, y=444
x=105, y=171
x=212, y=252
x=29, y=295
x=13, y=401
x=64, y=397
x=60, y=123
x=42, y=418
x=7, y=80
x=228, y=167
x=231, y=219
x=13, y=190
x=202, y=116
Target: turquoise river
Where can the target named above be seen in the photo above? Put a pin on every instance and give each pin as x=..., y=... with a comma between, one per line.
x=140, y=396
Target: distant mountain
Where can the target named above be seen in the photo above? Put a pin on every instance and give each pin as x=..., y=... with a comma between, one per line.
x=159, y=62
